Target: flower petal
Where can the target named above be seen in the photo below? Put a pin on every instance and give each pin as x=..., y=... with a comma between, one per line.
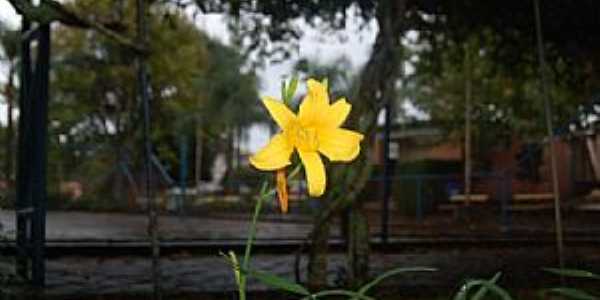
x=282, y=190
x=279, y=111
x=315, y=172
x=339, y=144
x=336, y=114
x=314, y=104
x=274, y=155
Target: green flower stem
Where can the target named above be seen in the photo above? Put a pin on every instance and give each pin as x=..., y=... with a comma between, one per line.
x=250, y=240
x=265, y=193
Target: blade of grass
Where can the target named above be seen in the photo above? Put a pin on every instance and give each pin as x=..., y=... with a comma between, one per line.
x=278, y=282
x=570, y=293
x=495, y=289
x=572, y=273
x=365, y=288
x=483, y=290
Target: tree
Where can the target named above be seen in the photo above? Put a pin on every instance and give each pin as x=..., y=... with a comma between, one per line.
x=97, y=116
x=9, y=41
x=231, y=99
x=504, y=100
x=95, y=111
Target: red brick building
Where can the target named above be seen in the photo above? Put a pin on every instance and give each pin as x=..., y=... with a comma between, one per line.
x=526, y=165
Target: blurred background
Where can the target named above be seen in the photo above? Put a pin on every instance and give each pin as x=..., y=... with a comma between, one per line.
x=480, y=152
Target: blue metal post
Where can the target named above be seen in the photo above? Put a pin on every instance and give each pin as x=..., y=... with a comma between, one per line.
x=183, y=168
x=387, y=173
x=505, y=195
x=419, y=199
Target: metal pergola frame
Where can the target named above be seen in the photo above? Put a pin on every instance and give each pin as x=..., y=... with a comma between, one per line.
x=31, y=193
x=32, y=155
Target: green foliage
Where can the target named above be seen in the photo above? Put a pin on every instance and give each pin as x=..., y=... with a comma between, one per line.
x=504, y=99
x=582, y=274
x=94, y=83
x=338, y=73
x=513, y=26
x=278, y=282
x=397, y=271
x=485, y=286
x=197, y=84
x=268, y=29
x=283, y=284
x=569, y=292
x=226, y=85
x=483, y=291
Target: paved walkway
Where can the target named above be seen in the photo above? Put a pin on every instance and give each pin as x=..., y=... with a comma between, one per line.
x=85, y=226
x=121, y=227
x=184, y=273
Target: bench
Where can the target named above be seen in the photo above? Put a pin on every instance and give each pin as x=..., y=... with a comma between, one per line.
x=590, y=202
x=530, y=202
x=473, y=198
x=458, y=201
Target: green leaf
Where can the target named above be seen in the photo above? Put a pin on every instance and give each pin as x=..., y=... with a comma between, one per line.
x=492, y=287
x=571, y=293
x=483, y=290
x=283, y=91
x=325, y=82
x=291, y=89
x=278, y=282
x=572, y=273
x=365, y=288
x=330, y=293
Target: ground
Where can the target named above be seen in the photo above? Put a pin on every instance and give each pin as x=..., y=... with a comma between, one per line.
x=477, y=244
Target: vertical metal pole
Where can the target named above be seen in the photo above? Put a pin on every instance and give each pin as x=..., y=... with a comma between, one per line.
x=198, y=156
x=39, y=127
x=387, y=171
x=23, y=199
x=419, y=187
x=468, y=95
x=183, y=168
x=144, y=94
x=550, y=134
x=505, y=194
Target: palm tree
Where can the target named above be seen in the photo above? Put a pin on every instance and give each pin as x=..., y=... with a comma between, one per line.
x=231, y=103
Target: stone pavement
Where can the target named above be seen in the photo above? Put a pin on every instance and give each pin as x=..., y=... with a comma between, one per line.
x=86, y=226
x=78, y=275
x=130, y=227
x=81, y=276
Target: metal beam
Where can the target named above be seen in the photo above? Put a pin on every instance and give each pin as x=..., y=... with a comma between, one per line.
x=32, y=154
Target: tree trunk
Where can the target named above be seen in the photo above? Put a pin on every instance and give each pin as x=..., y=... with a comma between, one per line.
x=358, y=246
x=377, y=84
x=317, y=263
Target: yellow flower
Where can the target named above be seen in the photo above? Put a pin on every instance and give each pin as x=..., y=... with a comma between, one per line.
x=316, y=129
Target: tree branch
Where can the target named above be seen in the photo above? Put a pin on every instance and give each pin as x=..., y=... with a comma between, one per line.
x=51, y=10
